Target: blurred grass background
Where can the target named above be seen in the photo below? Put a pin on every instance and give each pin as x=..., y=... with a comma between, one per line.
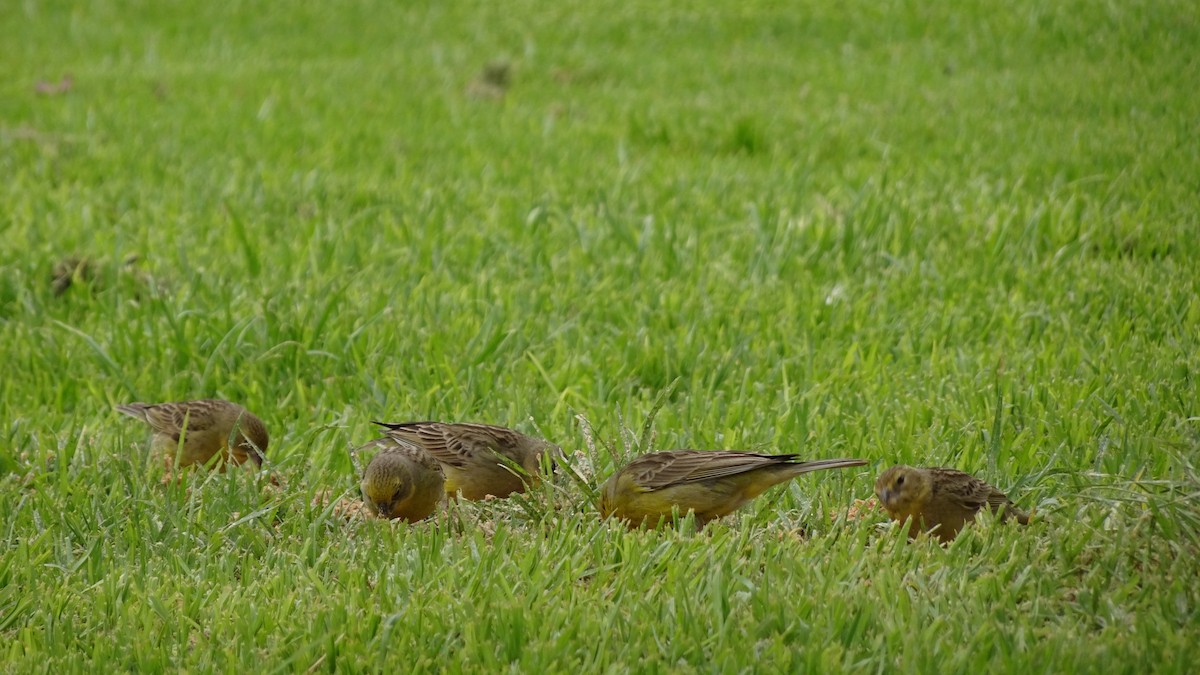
x=960, y=235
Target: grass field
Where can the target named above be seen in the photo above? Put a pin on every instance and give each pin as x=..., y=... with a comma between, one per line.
x=958, y=234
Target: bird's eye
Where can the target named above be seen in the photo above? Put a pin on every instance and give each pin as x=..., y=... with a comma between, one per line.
x=900, y=480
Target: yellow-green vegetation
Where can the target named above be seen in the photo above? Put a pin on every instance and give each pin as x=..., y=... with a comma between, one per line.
x=951, y=234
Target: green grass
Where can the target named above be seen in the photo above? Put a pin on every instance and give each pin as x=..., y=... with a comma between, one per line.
x=957, y=234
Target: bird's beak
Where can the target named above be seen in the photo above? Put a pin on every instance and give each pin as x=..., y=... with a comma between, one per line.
x=885, y=495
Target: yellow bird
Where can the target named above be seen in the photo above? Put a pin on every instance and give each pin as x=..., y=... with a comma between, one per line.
x=401, y=480
x=710, y=484
x=478, y=459
x=208, y=428
x=940, y=500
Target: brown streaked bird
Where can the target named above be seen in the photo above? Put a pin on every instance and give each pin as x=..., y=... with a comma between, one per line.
x=401, y=480
x=478, y=459
x=209, y=428
x=711, y=484
x=71, y=270
x=95, y=274
x=940, y=500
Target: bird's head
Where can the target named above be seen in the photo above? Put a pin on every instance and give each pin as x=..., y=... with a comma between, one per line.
x=385, y=486
x=548, y=459
x=901, y=486
x=254, y=437
x=611, y=491
x=385, y=494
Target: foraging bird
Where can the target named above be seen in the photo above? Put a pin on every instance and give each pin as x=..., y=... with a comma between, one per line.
x=940, y=500
x=96, y=274
x=208, y=428
x=401, y=480
x=478, y=459
x=709, y=484
x=71, y=270
x=492, y=82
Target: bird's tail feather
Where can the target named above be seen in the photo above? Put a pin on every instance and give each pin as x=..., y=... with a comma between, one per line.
x=798, y=468
x=136, y=410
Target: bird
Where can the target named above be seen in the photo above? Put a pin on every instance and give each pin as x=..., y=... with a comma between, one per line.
x=940, y=500
x=69, y=271
x=492, y=82
x=97, y=274
x=401, y=480
x=652, y=488
x=208, y=428
x=478, y=460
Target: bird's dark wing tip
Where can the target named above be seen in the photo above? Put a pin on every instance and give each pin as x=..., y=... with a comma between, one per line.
x=131, y=409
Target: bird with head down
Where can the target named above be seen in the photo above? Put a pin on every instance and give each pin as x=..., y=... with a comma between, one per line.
x=199, y=432
x=478, y=460
x=401, y=481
